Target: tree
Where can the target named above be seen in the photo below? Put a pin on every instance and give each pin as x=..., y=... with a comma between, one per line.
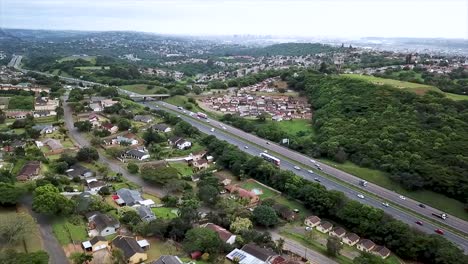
x=10, y=193
x=159, y=175
x=280, y=245
x=83, y=126
x=118, y=256
x=366, y=258
x=15, y=227
x=6, y=176
x=202, y=239
x=87, y=154
x=80, y=258
x=48, y=200
x=208, y=194
x=241, y=224
x=13, y=257
x=265, y=216
x=124, y=124
x=333, y=246
x=262, y=117
x=132, y=168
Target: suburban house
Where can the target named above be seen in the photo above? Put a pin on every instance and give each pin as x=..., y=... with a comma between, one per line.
x=251, y=253
x=95, y=185
x=162, y=128
x=242, y=193
x=78, y=170
x=45, y=103
x=44, y=113
x=13, y=145
x=200, y=164
x=324, y=227
x=146, y=214
x=110, y=127
x=381, y=251
x=167, y=260
x=94, y=120
x=108, y=102
x=45, y=129
x=96, y=243
x=129, y=197
x=30, y=170
x=350, y=239
x=127, y=139
x=138, y=154
x=101, y=224
x=132, y=251
x=95, y=107
x=312, y=221
x=179, y=143
x=143, y=118
x=338, y=232
x=226, y=236
x=365, y=245
x=284, y=212
x=17, y=114
x=54, y=145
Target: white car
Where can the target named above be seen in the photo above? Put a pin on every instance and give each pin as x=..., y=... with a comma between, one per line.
x=308, y=228
x=207, y=121
x=246, y=147
x=385, y=204
x=313, y=161
x=360, y=196
x=311, y=172
x=224, y=128
x=297, y=168
x=185, y=111
x=266, y=151
x=212, y=130
x=402, y=197
x=178, y=115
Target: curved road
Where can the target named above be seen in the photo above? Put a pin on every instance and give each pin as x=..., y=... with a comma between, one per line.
x=254, y=149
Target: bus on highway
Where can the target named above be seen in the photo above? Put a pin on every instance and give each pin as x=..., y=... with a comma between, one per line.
x=202, y=115
x=270, y=158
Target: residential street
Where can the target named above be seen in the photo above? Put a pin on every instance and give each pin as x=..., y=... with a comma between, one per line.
x=51, y=244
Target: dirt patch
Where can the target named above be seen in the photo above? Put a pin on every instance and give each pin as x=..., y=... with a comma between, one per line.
x=419, y=91
x=102, y=256
x=71, y=248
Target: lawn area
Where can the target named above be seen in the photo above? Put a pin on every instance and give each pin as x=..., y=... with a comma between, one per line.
x=296, y=125
x=416, y=87
x=65, y=231
x=152, y=197
x=129, y=185
x=46, y=119
x=18, y=165
x=195, y=147
x=267, y=193
x=182, y=100
x=131, y=104
x=292, y=204
x=32, y=242
x=91, y=59
x=159, y=248
x=140, y=88
x=165, y=212
x=182, y=168
x=380, y=178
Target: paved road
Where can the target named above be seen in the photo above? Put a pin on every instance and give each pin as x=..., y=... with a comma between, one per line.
x=253, y=149
x=51, y=244
x=114, y=165
x=298, y=249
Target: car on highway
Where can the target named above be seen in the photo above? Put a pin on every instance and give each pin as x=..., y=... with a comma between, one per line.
x=317, y=179
x=212, y=130
x=422, y=206
x=246, y=147
x=385, y=204
x=297, y=168
x=224, y=128
x=266, y=151
x=419, y=223
x=268, y=143
x=185, y=111
x=439, y=231
x=180, y=107
x=178, y=115
x=207, y=121
x=313, y=161
x=311, y=172
x=402, y=197
x=360, y=196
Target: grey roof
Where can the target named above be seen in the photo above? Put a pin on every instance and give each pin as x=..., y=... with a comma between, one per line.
x=76, y=170
x=160, y=127
x=259, y=252
x=144, y=212
x=142, y=118
x=130, y=197
x=42, y=127
x=128, y=245
x=167, y=260
x=96, y=239
x=53, y=144
x=103, y=221
x=136, y=153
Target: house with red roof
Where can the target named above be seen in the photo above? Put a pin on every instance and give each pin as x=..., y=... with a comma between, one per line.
x=224, y=234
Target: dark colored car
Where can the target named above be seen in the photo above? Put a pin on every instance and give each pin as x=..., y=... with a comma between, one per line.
x=419, y=223
x=422, y=206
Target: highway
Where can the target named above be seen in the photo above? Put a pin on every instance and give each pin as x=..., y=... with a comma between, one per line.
x=257, y=145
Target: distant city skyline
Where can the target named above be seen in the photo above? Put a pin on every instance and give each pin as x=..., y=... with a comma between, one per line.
x=332, y=18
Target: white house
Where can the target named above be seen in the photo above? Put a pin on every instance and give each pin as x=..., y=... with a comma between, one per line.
x=101, y=224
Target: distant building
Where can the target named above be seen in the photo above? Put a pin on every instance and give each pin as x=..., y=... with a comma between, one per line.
x=29, y=171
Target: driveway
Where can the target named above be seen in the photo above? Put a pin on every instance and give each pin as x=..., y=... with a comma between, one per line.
x=51, y=244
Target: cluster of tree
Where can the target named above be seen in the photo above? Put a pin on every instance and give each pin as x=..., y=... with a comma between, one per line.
x=13, y=257
x=366, y=221
x=75, y=95
x=48, y=200
x=290, y=49
x=208, y=189
x=21, y=102
x=16, y=92
x=192, y=69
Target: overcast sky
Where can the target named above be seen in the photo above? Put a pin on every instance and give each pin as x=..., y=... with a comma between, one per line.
x=332, y=18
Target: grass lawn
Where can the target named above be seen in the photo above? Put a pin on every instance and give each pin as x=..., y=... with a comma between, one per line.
x=91, y=59
x=65, y=231
x=159, y=248
x=165, y=212
x=18, y=166
x=296, y=125
x=129, y=185
x=152, y=197
x=380, y=178
x=131, y=104
x=292, y=204
x=182, y=168
x=182, y=100
x=195, y=147
x=416, y=87
x=46, y=119
x=267, y=193
x=140, y=88
x=32, y=241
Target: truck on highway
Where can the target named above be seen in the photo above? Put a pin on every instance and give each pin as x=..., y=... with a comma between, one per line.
x=202, y=115
x=363, y=183
x=270, y=158
x=441, y=215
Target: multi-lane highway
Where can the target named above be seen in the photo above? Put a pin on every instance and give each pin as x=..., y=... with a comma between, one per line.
x=254, y=145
